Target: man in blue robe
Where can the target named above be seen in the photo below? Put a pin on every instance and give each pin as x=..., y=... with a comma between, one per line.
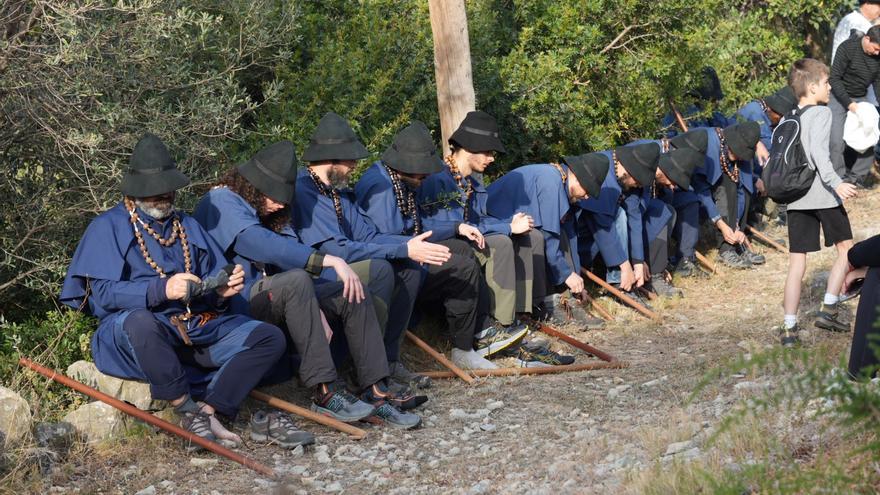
x=329, y=221
x=386, y=193
x=248, y=215
x=141, y=268
x=548, y=193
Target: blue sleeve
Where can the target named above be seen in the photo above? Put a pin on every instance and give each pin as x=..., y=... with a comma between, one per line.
x=704, y=194
x=122, y=295
x=610, y=245
x=558, y=266
x=632, y=205
x=441, y=229
x=262, y=245
x=490, y=225
x=370, y=242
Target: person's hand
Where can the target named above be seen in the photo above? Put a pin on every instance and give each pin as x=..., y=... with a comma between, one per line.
x=627, y=276
x=422, y=251
x=352, y=287
x=846, y=191
x=472, y=233
x=575, y=283
x=852, y=107
x=521, y=223
x=761, y=153
x=739, y=237
x=639, y=274
x=762, y=189
x=728, y=233
x=235, y=283
x=177, y=286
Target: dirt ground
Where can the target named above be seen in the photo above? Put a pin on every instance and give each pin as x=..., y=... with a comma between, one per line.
x=587, y=432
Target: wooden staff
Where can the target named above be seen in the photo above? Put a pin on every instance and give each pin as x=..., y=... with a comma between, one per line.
x=273, y=401
x=595, y=305
x=440, y=358
x=533, y=371
x=766, y=240
x=678, y=118
x=705, y=262
x=620, y=295
x=604, y=356
x=147, y=417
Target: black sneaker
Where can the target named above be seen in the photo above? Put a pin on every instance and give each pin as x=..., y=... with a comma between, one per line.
x=730, y=259
x=751, y=256
x=339, y=404
x=401, y=374
x=400, y=397
x=788, y=336
x=199, y=424
x=561, y=309
x=498, y=337
x=385, y=413
x=277, y=427
x=535, y=355
x=686, y=267
x=827, y=319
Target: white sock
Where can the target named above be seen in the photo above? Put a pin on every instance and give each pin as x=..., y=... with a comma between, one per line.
x=789, y=321
x=830, y=299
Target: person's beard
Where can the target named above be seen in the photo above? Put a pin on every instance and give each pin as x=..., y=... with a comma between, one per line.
x=410, y=183
x=338, y=179
x=159, y=209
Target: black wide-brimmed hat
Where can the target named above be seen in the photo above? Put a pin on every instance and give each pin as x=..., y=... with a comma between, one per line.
x=478, y=132
x=413, y=151
x=695, y=140
x=590, y=170
x=640, y=161
x=334, y=139
x=272, y=171
x=151, y=170
x=679, y=165
x=782, y=101
x=742, y=139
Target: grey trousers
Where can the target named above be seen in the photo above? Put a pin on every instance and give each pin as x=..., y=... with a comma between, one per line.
x=515, y=273
x=862, y=166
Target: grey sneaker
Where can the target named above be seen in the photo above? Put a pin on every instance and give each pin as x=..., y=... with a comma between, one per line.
x=339, y=404
x=497, y=337
x=401, y=374
x=663, y=288
x=687, y=268
x=751, y=256
x=199, y=424
x=277, y=427
x=385, y=413
x=730, y=259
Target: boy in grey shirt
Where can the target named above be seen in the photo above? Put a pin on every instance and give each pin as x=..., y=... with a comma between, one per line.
x=822, y=205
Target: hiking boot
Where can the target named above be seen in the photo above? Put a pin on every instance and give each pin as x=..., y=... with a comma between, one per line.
x=827, y=319
x=730, y=259
x=788, y=336
x=401, y=374
x=499, y=337
x=535, y=355
x=687, y=268
x=385, y=412
x=663, y=288
x=339, y=404
x=277, y=427
x=199, y=424
x=403, y=399
x=471, y=360
x=751, y=256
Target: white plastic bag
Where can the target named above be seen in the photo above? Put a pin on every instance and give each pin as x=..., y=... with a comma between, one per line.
x=860, y=131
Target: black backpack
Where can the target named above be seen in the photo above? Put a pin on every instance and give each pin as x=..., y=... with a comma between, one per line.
x=788, y=174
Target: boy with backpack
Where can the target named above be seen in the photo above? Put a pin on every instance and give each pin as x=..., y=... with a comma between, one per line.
x=800, y=173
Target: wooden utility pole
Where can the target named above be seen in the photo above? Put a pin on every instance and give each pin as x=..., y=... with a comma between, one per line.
x=452, y=64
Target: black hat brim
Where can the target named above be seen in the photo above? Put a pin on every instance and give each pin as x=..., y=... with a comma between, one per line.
x=141, y=185
x=411, y=163
x=642, y=174
x=592, y=183
x=352, y=150
x=476, y=143
x=281, y=192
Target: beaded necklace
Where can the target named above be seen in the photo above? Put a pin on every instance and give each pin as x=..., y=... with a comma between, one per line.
x=561, y=171
x=614, y=163
x=329, y=192
x=177, y=230
x=729, y=169
x=764, y=106
x=664, y=145
x=406, y=200
x=463, y=184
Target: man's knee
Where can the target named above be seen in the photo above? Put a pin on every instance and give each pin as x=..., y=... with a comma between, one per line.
x=141, y=325
x=268, y=337
x=294, y=284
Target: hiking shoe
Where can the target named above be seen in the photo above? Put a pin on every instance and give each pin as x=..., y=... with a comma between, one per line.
x=471, y=360
x=534, y=355
x=663, y=288
x=277, y=427
x=199, y=424
x=751, y=256
x=339, y=404
x=499, y=337
x=788, y=336
x=403, y=399
x=401, y=374
x=562, y=309
x=686, y=267
x=827, y=319
x=732, y=260
x=385, y=413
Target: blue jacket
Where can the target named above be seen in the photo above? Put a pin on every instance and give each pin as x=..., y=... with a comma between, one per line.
x=753, y=112
x=538, y=190
x=440, y=198
x=375, y=195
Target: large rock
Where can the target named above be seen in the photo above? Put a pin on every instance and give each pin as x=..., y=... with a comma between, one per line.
x=97, y=422
x=133, y=392
x=15, y=415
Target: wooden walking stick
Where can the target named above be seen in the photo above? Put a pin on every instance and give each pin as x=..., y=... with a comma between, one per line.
x=705, y=262
x=766, y=240
x=533, y=371
x=595, y=305
x=146, y=417
x=356, y=433
x=568, y=339
x=620, y=295
x=440, y=358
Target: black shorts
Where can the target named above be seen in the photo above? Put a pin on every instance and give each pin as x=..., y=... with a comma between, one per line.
x=803, y=228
